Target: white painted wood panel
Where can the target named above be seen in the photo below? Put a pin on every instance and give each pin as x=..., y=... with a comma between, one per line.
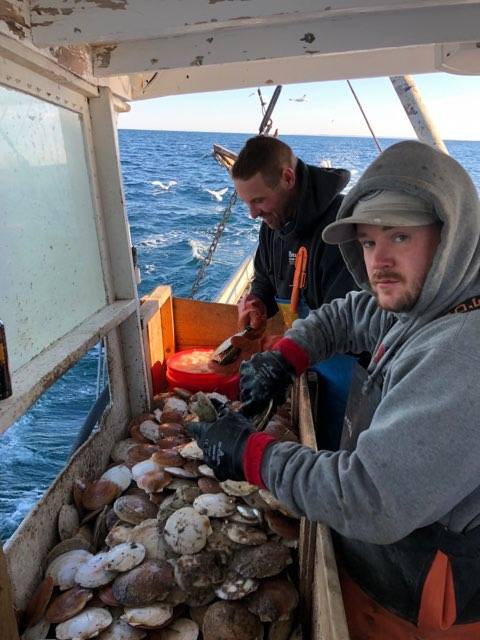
x=74, y=21
x=31, y=380
x=320, y=36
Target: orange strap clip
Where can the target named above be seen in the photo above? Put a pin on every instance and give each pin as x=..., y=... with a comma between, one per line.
x=299, y=277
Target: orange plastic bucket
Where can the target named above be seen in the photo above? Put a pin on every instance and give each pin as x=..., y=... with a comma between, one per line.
x=188, y=369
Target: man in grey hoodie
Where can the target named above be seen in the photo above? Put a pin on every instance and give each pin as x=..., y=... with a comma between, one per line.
x=403, y=493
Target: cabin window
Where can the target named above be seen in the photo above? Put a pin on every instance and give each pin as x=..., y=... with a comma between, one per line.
x=50, y=269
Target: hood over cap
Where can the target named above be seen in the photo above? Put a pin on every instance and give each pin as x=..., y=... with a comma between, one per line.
x=424, y=172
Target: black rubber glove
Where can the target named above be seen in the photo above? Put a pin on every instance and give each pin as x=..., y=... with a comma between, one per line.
x=223, y=443
x=264, y=377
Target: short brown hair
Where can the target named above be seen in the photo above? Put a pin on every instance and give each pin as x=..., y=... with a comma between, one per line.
x=266, y=155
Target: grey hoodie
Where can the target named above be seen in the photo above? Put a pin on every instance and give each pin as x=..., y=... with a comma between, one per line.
x=419, y=462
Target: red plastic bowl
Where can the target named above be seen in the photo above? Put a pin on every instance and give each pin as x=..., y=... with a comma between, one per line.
x=178, y=376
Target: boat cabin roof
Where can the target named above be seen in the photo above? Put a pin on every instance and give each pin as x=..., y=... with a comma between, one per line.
x=172, y=47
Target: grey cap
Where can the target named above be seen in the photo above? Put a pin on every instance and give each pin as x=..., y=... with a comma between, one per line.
x=382, y=208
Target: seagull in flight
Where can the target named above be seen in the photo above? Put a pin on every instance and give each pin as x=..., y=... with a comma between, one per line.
x=163, y=185
x=302, y=99
x=217, y=194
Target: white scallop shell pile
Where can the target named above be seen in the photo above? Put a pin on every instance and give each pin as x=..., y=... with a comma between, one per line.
x=157, y=548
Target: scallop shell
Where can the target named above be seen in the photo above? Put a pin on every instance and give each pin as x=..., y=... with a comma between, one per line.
x=119, y=534
x=203, y=407
x=274, y=600
x=215, y=505
x=184, y=394
x=207, y=471
x=38, y=631
x=174, y=410
x=121, y=449
x=145, y=584
x=250, y=513
x=288, y=528
x=65, y=566
x=218, y=541
x=236, y=587
x=227, y=620
x=155, y=481
x=92, y=573
x=266, y=560
x=38, y=602
x=191, y=451
x=245, y=534
x=140, y=452
x=67, y=605
x=119, y=474
x=145, y=466
x=209, y=485
x=280, y=630
x=106, y=596
x=151, y=617
x=167, y=458
x=150, y=430
x=199, y=570
x=100, y=493
x=124, y=557
x=181, y=629
x=181, y=472
x=275, y=504
x=84, y=625
x=186, y=531
x=149, y=535
x=239, y=489
x=121, y=630
x=68, y=521
x=134, y=509
x=72, y=544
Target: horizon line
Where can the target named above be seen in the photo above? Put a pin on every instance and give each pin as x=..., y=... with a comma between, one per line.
x=305, y=135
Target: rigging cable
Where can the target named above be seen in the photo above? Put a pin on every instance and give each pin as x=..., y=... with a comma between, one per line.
x=265, y=126
x=364, y=116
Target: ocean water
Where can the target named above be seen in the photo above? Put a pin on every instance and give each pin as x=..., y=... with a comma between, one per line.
x=176, y=194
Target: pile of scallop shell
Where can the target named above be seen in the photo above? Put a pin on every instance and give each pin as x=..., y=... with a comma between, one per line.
x=157, y=548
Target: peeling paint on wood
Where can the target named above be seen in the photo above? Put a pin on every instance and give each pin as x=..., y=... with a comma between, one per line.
x=12, y=16
x=75, y=59
x=103, y=55
x=49, y=11
x=197, y=61
x=215, y=1
x=110, y=4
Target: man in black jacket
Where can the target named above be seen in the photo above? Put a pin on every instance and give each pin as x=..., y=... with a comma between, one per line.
x=296, y=202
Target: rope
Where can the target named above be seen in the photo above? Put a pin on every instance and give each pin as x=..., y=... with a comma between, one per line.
x=364, y=116
x=264, y=128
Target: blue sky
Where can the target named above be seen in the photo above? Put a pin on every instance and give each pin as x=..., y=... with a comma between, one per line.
x=329, y=109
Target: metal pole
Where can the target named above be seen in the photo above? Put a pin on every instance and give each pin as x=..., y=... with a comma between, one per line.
x=365, y=117
x=417, y=112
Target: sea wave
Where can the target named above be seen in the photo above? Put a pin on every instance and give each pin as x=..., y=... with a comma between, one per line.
x=199, y=248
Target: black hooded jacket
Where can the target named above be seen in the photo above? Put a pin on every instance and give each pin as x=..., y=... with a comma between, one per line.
x=327, y=276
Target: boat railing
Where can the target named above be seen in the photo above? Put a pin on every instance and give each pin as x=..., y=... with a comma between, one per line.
x=238, y=284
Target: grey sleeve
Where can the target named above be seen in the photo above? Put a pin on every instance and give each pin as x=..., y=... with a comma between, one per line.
x=415, y=465
x=351, y=324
